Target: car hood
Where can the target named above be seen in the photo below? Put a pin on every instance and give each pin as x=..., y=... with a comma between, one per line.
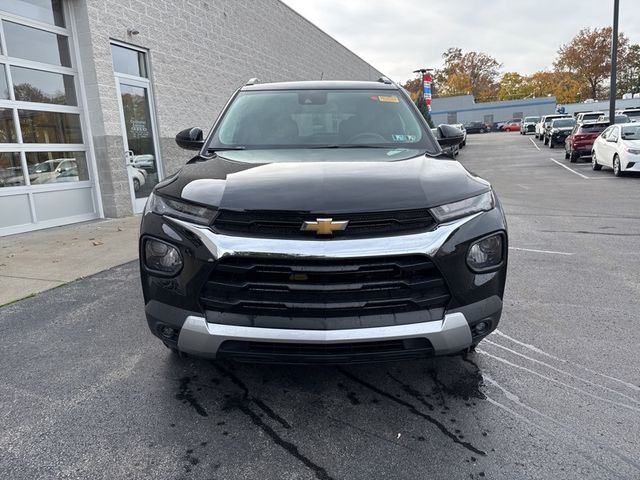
x=329, y=186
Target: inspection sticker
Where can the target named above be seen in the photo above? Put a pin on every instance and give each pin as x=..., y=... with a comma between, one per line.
x=388, y=99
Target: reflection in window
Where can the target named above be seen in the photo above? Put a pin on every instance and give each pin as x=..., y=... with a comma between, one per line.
x=56, y=167
x=46, y=87
x=7, y=127
x=37, y=45
x=10, y=170
x=47, y=11
x=128, y=61
x=4, y=88
x=49, y=127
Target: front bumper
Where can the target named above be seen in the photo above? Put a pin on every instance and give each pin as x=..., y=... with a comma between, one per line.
x=173, y=302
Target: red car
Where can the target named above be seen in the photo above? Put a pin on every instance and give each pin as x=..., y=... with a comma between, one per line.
x=512, y=126
x=581, y=139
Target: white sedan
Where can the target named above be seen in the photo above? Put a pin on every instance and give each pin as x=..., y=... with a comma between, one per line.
x=618, y=147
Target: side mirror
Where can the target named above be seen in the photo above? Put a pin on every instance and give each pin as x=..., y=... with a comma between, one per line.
x=449, y=136
x=190, y=139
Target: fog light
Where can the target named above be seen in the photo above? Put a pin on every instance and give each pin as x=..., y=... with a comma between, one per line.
x=486, y=253
x=167, y=332
x=481, y=327
x=162, y=257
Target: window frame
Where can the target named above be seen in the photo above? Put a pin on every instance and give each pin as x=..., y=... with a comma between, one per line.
x=14, y=105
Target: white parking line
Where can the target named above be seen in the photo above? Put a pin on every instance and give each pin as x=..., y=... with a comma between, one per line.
x=570, y=169
x=534, y=143
x=523, y=186
x=540, y=251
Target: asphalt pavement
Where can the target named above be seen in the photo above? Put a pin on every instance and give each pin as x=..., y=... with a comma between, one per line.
x=88, y=393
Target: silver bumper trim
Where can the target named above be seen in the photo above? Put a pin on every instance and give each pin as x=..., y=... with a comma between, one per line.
x=425, y=243
x=203, y=339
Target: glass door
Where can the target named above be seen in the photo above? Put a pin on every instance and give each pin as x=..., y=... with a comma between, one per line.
x=140, y=154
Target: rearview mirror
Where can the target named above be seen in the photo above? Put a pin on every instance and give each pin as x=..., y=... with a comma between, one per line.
x=190, y=139
x=449, y=136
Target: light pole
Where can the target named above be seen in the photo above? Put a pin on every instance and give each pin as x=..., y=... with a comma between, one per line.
x=614, y=64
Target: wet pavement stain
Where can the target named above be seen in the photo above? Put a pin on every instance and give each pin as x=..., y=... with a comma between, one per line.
x=186, y=396
x=439, y=425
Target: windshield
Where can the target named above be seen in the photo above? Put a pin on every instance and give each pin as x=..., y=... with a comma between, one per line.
x=591, y=115
x=634, y=113
x=531, y=119
x=631, y=132
x=593, y=127
x=563, y=123
x=320, y=119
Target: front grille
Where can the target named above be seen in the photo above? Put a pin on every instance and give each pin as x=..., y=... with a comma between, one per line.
x=387, y=350
x=325, y=287
x=276, y=224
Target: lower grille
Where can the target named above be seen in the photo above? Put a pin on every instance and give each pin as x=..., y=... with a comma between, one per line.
x=333, y=353
x=325, y=287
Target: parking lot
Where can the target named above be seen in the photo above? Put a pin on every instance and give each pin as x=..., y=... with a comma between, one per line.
x=87, y=392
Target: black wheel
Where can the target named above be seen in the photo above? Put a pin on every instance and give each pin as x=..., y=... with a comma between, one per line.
x=617, y=168
x=566, y=155
x=544, y=140
x=573, y=157
x=594, y=162
x=550, y=143
x=136, y=184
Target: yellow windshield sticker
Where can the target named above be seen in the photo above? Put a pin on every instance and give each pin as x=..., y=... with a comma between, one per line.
x=388, y=98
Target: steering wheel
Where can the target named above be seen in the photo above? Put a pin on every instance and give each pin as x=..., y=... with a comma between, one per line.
x=366, y=135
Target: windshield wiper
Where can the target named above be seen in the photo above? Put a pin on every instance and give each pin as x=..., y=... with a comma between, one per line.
x=350, y=145
x=222, y=149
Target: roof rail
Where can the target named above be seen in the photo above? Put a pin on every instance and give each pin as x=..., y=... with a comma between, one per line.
x=252, y=81
x=385, y=80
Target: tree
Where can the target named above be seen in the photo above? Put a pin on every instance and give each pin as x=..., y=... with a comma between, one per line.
x=629, y=81
x=414, y=87
x=513, y=86
x=473, y=73
x=588, y=57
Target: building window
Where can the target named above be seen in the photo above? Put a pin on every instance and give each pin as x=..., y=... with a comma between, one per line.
x=47, y=11
x=128, y=61
x=44, y=159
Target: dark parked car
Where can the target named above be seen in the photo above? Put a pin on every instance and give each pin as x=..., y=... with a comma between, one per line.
x=580, y=141
x=475, y=127
x=559, y=130
x=320, y=222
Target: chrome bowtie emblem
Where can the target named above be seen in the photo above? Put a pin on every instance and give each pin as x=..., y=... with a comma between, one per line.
x=324, y=226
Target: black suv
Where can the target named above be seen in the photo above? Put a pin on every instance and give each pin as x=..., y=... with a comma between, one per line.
x=320, y=222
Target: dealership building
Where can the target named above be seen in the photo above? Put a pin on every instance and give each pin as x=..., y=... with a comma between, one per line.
x=92, y=93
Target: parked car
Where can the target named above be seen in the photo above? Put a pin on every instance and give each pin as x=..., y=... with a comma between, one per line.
x=559, y=130
x=139, y=176
x=318, y=255
x=580, y=142
x=619, y=118
x=588, y=116
x=546, y=126
x=496, y=126
x=618, y=147
x=145, y=161
x=540, y=126
x=632, y=113
x=512, y=126
x=529, y=125
x=460, y=126
x=475, y=127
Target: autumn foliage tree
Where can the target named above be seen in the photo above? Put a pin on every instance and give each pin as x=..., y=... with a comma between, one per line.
x=588, y=57
x=474, y=73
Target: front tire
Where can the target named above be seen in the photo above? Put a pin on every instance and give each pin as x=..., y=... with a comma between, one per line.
x=617, y=168
x=544, y=140
x=550, y=143
x=573, y=157
x=566, y=155
x=594, y=162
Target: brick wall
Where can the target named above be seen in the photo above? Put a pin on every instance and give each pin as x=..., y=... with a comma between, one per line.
x=200, y=52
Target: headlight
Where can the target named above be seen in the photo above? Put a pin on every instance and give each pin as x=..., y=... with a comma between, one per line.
x=633, y=151
x=486, y=253
x=182, y=210
x=162, y=257
x=463, y=208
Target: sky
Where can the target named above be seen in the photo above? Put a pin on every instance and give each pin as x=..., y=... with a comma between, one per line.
x=399, y=36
